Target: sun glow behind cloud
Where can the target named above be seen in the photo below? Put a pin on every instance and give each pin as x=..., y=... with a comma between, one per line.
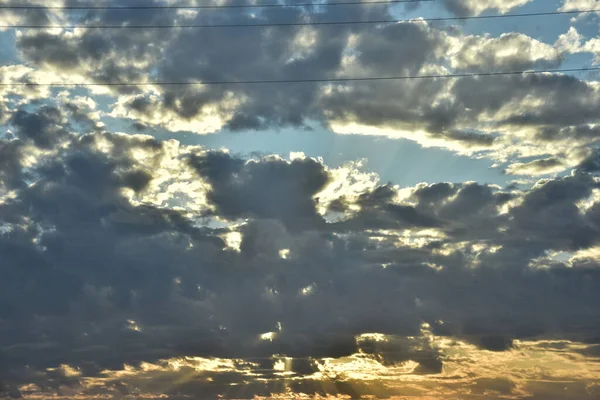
x=532, y=368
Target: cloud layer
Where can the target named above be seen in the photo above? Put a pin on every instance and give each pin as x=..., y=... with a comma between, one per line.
x=99, y=271
x=133, y=266
x=506, y=118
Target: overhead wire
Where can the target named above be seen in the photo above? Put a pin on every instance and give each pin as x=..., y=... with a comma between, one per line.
x=312, y=80
x=213, y=6
x=307, y=23
x=289, y=81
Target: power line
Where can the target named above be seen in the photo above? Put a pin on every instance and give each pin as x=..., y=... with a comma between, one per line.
x=269, y=24
x=324, y=80
x=205, y=6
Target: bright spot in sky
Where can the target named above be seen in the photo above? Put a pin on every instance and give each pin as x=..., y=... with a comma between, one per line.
x=308, y=290
x=233, y=240
x=375, y=337
x=284, y=253
x=134, y=326
x=268, y=336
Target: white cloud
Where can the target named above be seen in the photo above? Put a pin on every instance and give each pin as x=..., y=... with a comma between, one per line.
x=571, y=5
x=574, y=43
x=477, y=7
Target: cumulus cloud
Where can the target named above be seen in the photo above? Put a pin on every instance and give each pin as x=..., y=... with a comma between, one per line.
x=474, y=7
x=569, y=5
x=574, y=43
x=482, y=116
x=238, y=188
x=97, y=272
x=508, y=52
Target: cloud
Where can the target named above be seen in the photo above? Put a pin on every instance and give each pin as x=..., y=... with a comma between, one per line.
x=79, y=219
x=361, y=374
x=10, y=160
x=508, y=52
x=32, y=17
x=473, y=7
x=44, y=128
x=578, y=5
x=138, y=267
x=101, y=268
x=591, y=163
x=575, y=43
x=537, y=167
x=238, y=188
x=505, y=118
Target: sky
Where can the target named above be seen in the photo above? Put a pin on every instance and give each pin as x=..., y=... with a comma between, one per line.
x=417, y=239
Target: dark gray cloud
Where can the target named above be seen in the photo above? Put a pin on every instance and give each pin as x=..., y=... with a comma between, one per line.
x=265, y=189
x=47, y=48
x=11, y=174
x=45, y=128
x=549, y=214
x=32, y=17
x=94, y=280
x=578, y=132
x=566, y=102
x=378, y=210
x=591, y=163
x=399, y=49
